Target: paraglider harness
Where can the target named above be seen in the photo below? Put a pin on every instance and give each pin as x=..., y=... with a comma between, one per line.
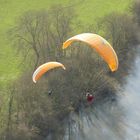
x=50, y=92
x=89, y=97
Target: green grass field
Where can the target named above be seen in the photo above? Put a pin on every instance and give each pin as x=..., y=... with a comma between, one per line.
x=87, y=11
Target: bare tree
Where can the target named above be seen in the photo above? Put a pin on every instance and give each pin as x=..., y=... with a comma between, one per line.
x=41, y=34
x=136, y=11
x=122, y=31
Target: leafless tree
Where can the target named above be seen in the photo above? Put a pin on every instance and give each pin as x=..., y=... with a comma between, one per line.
x=122, y=31
x=135, y=8
x=40, y=34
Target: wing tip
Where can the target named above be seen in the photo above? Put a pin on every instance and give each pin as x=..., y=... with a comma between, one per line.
x=64, y=67
x=34, y=80
x=64, y=46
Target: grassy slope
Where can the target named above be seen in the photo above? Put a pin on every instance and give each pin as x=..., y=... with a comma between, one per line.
x=87, y=10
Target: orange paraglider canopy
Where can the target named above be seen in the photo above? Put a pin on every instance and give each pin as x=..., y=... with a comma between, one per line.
x=97, y=42
x=44, y=68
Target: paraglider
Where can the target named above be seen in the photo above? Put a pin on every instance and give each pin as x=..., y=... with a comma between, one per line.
x=44, y=68
x=104, y=49
x=89, y=97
